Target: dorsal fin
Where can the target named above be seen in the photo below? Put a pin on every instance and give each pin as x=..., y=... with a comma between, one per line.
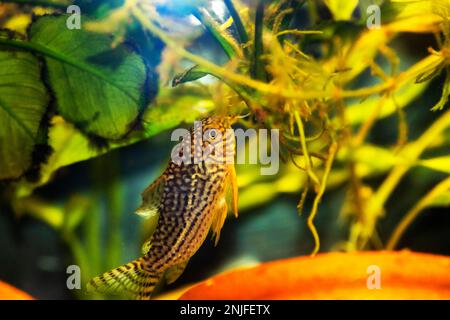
x=151, y=198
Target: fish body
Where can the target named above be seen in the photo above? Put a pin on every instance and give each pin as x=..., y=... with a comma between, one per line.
x=189, y=199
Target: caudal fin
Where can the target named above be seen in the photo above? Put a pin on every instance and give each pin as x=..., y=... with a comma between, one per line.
x=133, y=279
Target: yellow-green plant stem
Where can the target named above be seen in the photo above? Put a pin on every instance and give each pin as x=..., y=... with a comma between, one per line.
x=331, y=155
x=212, y=67
x=308, y=164
x=266, y=88
x=411, y=215
x=411, y=154
x=114, y=196
x=279, y=19
x=367, y=125
x=298, y=32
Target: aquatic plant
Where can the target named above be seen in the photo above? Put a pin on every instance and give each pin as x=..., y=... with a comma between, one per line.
x=71, y=95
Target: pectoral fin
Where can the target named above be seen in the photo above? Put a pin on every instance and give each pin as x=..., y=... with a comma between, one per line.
x=175, y=272
x=221, y=209
x=151, y=198
x=219, y=216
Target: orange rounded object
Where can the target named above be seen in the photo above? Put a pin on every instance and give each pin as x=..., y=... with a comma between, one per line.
x=361, y=275
x=8, y=292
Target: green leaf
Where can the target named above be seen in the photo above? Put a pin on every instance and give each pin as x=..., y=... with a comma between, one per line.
x=99, y=89
x=23, y=102
x=191, y=74
x=168, y=112
x=69, y=145
x=342, y=9
x=438, y=164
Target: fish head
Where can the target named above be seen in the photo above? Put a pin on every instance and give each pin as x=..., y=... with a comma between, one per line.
x=217, y=140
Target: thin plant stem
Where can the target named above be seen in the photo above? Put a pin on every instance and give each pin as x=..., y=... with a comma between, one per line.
x=308, y=164
x=310, y=222
x=266, y=88
x=412, y=214
x=258, y=71
x=297, y=32
x=411, y=153
x=368, y=124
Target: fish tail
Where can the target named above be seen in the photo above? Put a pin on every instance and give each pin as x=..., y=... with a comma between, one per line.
x=135, y=279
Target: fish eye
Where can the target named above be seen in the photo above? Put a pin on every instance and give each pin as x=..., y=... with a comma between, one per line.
x=212, y=134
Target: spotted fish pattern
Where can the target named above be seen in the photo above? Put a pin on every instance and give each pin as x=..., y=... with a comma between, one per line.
x=190, y=200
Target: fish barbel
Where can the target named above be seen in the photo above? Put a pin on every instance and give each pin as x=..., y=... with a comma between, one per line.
x=189, y=199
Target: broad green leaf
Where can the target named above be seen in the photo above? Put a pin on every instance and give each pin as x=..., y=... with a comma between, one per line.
x=23, y=102
x=99, y=89
x=342, y=9
x=166, y=111
x=69, y=145
x=438, y=164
